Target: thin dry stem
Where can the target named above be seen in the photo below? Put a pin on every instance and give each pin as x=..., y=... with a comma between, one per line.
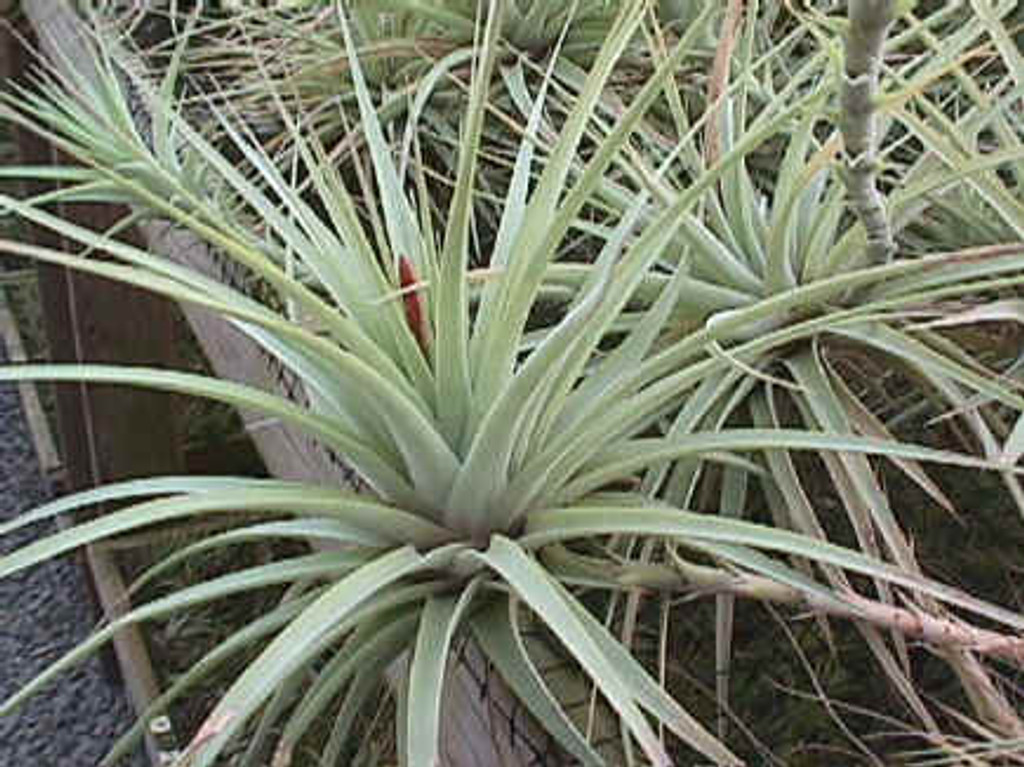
x=719, y=82
x=941, y=632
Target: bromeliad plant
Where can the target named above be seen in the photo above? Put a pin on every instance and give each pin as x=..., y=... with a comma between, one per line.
x=399, y=41
x=804, y=308
x=503, y=448
x=415, y=58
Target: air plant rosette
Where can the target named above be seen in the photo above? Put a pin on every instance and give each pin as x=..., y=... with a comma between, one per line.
x=514, y=460
x=416, y=59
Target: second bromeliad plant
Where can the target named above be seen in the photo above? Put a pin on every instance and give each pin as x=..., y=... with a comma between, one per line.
x=517, y=458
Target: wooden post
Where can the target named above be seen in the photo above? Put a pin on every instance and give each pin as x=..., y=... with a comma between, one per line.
x=107, y=433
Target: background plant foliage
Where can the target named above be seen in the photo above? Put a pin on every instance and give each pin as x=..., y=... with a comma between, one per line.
x=587, y=337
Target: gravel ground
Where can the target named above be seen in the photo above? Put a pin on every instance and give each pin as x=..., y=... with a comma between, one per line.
x=44, y=612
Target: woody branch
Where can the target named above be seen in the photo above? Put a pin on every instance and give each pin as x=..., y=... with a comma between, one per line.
x=869, y=22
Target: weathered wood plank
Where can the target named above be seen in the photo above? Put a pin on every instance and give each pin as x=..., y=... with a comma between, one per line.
x=128, y=645
x=95, y=320
x=38, y=425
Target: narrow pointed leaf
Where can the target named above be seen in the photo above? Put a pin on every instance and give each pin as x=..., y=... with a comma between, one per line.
x=535, y=587
x=438, y=623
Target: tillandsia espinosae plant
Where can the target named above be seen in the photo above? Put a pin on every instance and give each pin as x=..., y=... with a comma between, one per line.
x=815, y=315
x=416, y=60
x=506, y=452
